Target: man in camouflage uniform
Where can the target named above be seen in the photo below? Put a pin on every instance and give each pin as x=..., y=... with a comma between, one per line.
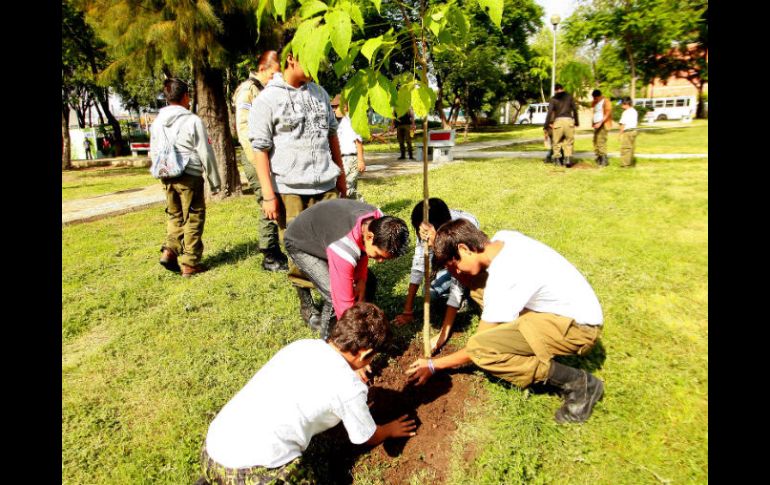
x=247, y=91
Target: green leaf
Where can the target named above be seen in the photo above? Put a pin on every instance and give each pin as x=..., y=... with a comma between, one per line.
x=280, y=8
x=381, y=94
x=357, y=16
x=370, y=46
x=312, y=52
x=404, y=100
x=357, y=94
x=459, y=22
x=311, y=8
x=305, y=31
x=341, y=31
x=377, y=4
x=423, y=99
x=493, y=8
x=343, y=65
x=433, y=25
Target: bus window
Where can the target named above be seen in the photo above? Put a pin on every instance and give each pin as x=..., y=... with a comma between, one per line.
x=680, y=102
x=658, y=103
x=669, y=103
x=648, y=103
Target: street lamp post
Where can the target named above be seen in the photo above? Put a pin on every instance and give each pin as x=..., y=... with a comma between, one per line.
x=555, y=19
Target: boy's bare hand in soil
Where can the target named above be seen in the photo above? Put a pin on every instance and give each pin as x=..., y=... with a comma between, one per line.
x=402, y=427
x=419, y=372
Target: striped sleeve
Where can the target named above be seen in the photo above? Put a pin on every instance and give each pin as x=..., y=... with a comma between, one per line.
x=343, y=256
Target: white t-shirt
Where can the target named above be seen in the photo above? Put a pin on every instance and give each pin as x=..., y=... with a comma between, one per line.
x=417, y=274
x=528, y=274
x=347, y=136
x=629, y=119
x=599, y=111
x=305, y=389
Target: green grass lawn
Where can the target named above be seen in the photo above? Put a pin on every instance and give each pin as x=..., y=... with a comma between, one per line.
x=92, y=182
x=692, y=139
x=149, y=358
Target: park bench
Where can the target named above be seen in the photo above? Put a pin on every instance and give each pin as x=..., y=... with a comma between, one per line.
x=440, y=143
x=139, y=147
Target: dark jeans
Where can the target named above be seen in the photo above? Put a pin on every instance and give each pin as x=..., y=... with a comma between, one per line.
x=317, y=270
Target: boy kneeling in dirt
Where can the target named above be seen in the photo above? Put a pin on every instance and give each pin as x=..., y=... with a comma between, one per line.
x=309, y=386
x=443, y=285
x=331, y=242
x=536, y=305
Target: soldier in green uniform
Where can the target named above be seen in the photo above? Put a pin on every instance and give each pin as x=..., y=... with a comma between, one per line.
x=268, y=64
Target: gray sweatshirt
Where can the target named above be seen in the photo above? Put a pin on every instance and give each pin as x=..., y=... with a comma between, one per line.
x=192, y=141
x=294, y=125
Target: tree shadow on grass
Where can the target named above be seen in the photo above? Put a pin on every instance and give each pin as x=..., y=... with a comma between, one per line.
x=232, y=254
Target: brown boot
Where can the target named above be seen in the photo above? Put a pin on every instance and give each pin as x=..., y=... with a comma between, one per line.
x=168, y=259
x=188, y=271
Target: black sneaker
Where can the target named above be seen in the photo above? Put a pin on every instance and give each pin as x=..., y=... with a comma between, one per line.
x=275, y=261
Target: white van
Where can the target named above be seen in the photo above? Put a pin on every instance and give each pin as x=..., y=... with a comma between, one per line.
x=671, y=108
x=534, y=114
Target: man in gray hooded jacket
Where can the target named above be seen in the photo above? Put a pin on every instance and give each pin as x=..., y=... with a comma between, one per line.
x=185, y=200
x=293, y=131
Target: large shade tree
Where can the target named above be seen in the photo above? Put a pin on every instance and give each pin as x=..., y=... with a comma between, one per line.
x=642, y=30
x=494, y=66
x=153, y=38
x=84, y=56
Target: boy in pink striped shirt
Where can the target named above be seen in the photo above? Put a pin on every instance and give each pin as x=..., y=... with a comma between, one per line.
x=331, y=242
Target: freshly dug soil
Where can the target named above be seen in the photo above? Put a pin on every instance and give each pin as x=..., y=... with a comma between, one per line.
x=437, y=406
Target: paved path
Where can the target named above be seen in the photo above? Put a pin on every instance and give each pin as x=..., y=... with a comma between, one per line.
x=379, y=165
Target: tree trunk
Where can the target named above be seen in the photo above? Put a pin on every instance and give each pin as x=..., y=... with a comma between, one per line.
x=440, y=103
x=699, y=113
x=102, y=97
x=66, y=158
x=633, y=73
x=212, y=108
x=81, y=118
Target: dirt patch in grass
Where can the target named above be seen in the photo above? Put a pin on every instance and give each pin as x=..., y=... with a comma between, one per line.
x=437, y=407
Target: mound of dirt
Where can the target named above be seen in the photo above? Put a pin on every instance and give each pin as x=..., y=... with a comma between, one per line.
x=437, y=407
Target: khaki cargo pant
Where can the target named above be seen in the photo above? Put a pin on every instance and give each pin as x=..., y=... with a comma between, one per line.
x=268, y=230
x=404, y=136
x=563, y=137
x=186, y=210
x=293, y=205
x=600, y=141
x=350, y=163
x=521, y=351
x=627, y=145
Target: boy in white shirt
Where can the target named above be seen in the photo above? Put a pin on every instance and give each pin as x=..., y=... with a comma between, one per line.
x=628, y=122
x=443, y=285
x=536, y=305
x=352, y=149
x=309, y=386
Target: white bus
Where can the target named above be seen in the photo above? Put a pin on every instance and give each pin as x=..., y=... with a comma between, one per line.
x=534, y=114
x=671, y=108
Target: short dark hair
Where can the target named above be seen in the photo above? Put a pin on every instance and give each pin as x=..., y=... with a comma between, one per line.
x=595, y=93
x=390, y=234
x=267, y=58
x=557, y=87
x=174, y=89
x=626, y=100
x=450, y=235
x=362, y=326
x=438, y=213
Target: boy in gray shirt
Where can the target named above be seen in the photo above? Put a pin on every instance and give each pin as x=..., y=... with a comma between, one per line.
x=293, y=131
